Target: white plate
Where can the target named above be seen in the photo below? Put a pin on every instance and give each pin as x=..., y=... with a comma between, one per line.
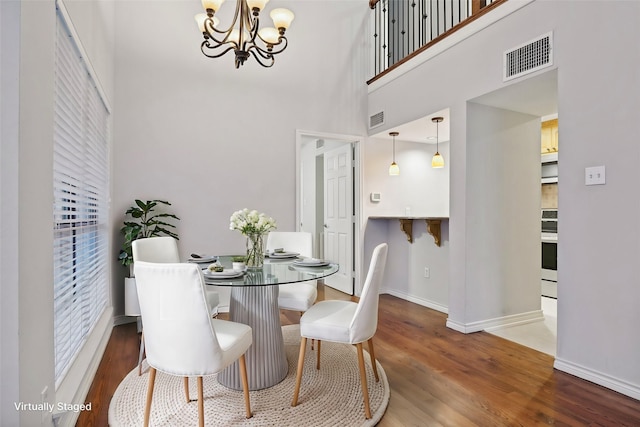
x=226, y=274
x=283, y=255
x=311, y=262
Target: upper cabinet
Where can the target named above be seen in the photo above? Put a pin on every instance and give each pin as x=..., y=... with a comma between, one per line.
x=549, y=133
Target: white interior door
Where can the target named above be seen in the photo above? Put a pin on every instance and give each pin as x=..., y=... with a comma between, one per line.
x=338, y=215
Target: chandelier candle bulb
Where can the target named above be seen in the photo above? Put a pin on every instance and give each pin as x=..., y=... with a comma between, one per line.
x=281, y=18
x=214, y=5
x=257, y=4
x=270, y=35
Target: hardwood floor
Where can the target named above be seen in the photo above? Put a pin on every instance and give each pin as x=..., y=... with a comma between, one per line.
x=438, y=377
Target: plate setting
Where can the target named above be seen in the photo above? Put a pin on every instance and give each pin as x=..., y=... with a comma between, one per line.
x=311, y=262
x=281, y=255
x=202, y=258
x=227, y=273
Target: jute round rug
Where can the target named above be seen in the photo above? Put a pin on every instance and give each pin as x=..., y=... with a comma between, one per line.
x=331, y=396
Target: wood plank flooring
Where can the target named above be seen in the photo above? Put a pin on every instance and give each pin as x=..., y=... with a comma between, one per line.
x=438, y=377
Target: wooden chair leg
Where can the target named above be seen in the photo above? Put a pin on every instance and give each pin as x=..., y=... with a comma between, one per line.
x=318, y=356
x=303, y=347
x=363, y=381
x=245, y=385
x=186, y=388
x=200, y=403
x=147, y=408
x=372, y=354
x=141, y=353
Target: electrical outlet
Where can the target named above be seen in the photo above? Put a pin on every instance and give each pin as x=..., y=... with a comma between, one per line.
x=594, y=175
x=427, y=273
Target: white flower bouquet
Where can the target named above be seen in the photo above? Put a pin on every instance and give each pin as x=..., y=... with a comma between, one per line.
x=254, y=225
x=251, y=222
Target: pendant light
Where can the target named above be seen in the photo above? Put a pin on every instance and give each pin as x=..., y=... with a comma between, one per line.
x=394, y=169
x=438, y=161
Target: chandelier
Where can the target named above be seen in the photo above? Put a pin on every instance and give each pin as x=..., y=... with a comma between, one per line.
x=244, y=36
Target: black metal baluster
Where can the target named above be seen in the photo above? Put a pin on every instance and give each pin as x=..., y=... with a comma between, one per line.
x=385, y=39
x=413, y=26
x=405, y=29
x=438, y=17
x=444, y=15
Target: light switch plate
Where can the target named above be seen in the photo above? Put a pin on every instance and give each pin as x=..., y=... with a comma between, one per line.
x=594, y=175
x=375, y=197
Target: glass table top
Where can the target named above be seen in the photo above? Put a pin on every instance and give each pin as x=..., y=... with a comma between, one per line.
x=273, y=272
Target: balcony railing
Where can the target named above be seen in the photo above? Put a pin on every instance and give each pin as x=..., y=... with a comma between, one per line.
x=404, y=28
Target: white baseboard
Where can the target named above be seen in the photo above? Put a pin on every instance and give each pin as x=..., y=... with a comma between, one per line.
x=420, y=301
x=122, y=320
x=497, y=322
x=616, y=384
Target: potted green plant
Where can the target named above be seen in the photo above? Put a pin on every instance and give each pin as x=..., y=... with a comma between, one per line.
x=238, y=262
x=146, y=221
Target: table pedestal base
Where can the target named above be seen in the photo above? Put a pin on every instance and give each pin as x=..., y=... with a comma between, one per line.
x=257, y=306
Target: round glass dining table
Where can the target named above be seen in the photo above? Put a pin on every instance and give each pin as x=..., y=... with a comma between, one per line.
x=254, y=302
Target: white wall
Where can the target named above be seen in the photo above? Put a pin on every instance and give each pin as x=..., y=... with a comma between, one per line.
x=598, y=292
x=212, y=139
x=502, y=216
x=599, y=269
x=419, y=187
x=9, y=289
x=35, y=181
x=418, y=191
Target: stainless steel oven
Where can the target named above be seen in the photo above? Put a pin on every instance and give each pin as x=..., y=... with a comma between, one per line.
x=549, y=274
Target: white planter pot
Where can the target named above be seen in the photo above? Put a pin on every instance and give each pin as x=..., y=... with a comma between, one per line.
x=131, y=304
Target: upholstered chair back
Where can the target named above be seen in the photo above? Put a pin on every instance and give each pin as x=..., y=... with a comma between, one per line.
x=155, y=249
x=365, y=319
x=179, y=335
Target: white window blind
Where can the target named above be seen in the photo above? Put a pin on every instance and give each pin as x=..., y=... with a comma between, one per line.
x=80, y=184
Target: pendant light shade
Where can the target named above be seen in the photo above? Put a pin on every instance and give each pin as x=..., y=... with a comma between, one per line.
x=437, y=161
x=394, y=169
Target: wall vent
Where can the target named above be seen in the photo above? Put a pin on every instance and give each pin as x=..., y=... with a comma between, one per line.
x=528, y=57
x=376, y=120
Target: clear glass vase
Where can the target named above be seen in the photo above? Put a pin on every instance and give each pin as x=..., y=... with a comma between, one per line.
x=255, y=251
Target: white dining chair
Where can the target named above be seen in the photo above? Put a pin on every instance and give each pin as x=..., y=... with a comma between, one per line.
x=163, y=249
x=346, y=322
x=182, y=338
x=294, y=296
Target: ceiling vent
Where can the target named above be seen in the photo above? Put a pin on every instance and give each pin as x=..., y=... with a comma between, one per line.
x=376, y=120
x=528, y=57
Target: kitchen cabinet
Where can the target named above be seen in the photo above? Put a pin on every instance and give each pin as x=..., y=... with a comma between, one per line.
x=549, y=136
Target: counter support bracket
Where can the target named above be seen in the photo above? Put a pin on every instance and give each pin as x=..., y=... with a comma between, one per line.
x=433, y=228
x=406, y=225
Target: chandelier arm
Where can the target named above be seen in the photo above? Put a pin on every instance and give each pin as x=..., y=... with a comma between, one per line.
x=205, y=44
x=261, y=55
x=211, y=30
x=260, y=51
x=281, y=47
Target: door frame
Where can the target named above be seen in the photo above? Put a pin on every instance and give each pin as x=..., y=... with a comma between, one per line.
x=357, y=142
